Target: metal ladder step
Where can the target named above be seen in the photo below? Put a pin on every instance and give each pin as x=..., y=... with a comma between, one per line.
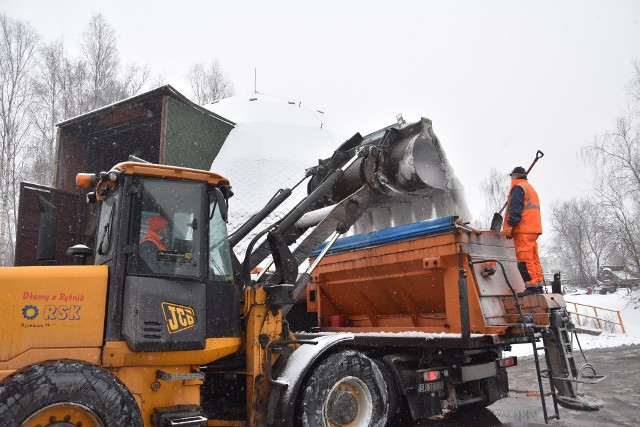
x=546, y=373
x=541, y=374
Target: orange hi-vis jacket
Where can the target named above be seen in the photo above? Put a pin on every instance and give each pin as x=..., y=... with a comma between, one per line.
x=155, y=239
x=531, y=219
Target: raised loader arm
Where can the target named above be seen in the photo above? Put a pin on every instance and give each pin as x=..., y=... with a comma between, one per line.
x=396, y=175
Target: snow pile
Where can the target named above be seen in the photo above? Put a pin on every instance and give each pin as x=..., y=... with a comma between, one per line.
x=272, y=145
x=627, y=303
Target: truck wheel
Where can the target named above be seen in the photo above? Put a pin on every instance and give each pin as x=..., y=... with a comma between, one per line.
x=393, y=395
x=346, y=389
x=66, y=393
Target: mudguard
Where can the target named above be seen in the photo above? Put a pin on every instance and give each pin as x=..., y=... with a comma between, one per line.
x=287, y=384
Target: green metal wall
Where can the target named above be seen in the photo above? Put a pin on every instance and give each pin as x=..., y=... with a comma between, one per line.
x=193, y=139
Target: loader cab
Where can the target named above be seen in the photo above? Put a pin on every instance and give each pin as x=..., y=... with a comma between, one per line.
x=165, y=240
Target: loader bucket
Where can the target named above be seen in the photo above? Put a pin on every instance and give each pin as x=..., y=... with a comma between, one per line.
x=412, y=177
x=395, y=176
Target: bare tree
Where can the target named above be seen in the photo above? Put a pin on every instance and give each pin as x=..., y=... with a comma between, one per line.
x=634, y=85
x=208, y=83
x=46, y=110
x=134, y=79
x=616, y=157
x=100, y=54
x=581, y=236
x=496, y=190
x=624, y=221
x=100, y=65
x=17, y=56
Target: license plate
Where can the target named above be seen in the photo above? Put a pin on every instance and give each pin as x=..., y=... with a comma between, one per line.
x=427, y=387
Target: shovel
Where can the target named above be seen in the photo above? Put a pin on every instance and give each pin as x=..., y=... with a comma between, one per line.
x=496, y=222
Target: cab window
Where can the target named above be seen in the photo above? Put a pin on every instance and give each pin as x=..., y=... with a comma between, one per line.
x=167, y=228
x=219, y=250
x=106, y=226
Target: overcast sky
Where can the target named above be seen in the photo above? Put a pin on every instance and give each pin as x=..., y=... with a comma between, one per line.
x=499, y=79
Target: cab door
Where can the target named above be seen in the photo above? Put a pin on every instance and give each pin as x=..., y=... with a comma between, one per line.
x=165, y=282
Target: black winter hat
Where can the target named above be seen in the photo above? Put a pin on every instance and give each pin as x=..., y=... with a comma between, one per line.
x=519, y=171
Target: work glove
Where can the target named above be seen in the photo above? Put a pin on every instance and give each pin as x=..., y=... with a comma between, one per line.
x=508, y=233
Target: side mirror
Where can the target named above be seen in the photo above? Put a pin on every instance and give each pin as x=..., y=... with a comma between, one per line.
x=222, y=202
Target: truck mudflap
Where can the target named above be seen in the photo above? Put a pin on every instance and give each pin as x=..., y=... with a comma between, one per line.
x=286, y=385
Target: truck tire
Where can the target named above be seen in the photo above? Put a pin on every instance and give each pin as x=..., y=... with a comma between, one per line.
x=347, y=388
x=393, y=394
x=66, y=393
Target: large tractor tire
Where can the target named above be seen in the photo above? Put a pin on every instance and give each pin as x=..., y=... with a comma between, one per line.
x=346, y=389
x=66, y=393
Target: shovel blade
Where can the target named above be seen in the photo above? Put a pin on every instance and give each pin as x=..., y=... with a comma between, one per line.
x=496, y=222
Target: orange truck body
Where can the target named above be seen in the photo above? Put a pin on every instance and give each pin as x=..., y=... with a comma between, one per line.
x=410, y=283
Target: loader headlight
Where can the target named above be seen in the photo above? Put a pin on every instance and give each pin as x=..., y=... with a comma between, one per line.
x=113, y=176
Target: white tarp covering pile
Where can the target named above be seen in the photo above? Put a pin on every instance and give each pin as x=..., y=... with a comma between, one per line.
x=275, y=140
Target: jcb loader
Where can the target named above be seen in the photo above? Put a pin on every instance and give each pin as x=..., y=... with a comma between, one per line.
x=409, y=322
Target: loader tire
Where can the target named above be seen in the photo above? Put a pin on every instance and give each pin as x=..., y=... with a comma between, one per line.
x=347, y=388
x=66, y=393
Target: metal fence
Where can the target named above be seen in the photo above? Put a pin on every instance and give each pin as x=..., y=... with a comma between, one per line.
x=581, y=314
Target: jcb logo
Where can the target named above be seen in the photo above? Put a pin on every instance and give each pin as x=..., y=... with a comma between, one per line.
x=178, y=317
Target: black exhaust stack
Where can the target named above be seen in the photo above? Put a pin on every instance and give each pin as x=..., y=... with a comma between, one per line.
x=47, y=232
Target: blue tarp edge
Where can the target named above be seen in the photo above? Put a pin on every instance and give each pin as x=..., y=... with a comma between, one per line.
x=388, y=235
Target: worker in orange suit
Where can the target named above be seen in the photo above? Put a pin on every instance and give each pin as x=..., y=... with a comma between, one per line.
x=152, y=244
x=523, y=224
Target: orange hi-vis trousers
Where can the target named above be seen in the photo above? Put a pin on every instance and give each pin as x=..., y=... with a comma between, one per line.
x=527, y=256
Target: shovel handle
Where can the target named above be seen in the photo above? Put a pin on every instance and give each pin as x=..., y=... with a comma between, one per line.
x=539, y=155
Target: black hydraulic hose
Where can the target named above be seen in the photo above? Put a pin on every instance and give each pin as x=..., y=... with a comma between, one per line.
x=513, y=292
x=291, y=218
x=584, y=356
x=277, y=199
x=285, y=224
x=247, y=258
x=297, y=213
x=504, y=273
x=248, y=226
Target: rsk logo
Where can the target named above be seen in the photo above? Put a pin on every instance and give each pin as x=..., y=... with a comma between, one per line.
x=62, y=312
x=178, y=317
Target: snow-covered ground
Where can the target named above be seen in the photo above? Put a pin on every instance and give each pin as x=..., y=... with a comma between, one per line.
x=627, y=303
